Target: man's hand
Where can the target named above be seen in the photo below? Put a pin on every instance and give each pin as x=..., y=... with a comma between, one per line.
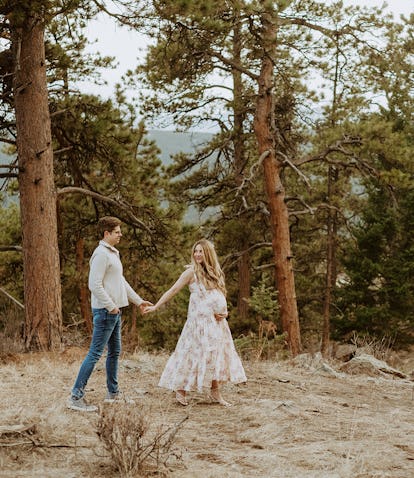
x=115, y=311
x=144, y=305
x=150, y=308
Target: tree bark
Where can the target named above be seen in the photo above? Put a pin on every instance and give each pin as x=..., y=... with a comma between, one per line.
x=244, y=286
x=42, y=289
x=83, y=291
x=331, y=225
x=266, y=135
x=239, y=112
x=330, y=255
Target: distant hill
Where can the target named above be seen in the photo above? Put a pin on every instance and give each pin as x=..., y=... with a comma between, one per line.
x=171, y=142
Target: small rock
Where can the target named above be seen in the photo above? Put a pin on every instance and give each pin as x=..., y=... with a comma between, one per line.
x=369, y=365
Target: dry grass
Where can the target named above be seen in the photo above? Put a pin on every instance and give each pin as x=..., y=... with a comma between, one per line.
x=286, y=422
x=379, y=348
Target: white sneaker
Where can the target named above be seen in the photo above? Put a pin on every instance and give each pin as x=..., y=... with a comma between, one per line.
x=80, y=405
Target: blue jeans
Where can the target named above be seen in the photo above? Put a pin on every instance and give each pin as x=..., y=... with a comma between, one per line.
x=106, y=332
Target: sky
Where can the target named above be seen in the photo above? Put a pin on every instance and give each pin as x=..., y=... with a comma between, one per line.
x=127, y=46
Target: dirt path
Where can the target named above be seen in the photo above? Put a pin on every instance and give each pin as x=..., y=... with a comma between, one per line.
x=286, y=422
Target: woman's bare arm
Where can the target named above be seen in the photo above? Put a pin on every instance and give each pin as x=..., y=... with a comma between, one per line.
x=183, y=280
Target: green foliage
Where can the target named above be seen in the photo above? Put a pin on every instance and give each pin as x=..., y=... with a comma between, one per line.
x=11, y=280
x=201, y=71
x=264, y=299
x=378, y=296
x=11, y=262
x=65, y=45
x=161, y=330
x=103, y=152
x=158, y=273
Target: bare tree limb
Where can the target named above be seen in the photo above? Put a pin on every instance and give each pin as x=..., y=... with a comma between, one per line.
x=7, y=140
x=298, y=171
x=296, y=198
x=264, y=266
x=106, y=199
x=235, y=65
x=252, y=171
x=231, y=259
x=312, y=26
x=337, y=147
x=11, y=298
x=58, y=112
x=62, y=150
x=11, y=248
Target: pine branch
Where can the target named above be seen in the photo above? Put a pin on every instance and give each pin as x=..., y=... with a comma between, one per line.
x=325, y=31
x=62, y=150
x=298, y=171
x=124, y=207
x=235, y=65
x=230, y=260
x=8, y=141
x=10, y=248
x=253, y=170
x=337, y=147
x=303, y=202
x=11, y=298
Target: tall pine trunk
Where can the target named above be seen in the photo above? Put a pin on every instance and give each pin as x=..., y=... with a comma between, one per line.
x=266, y=135
x=239, y=111
x=42, y=289
x=83, y=291
x=331, y=226
x=244, y=286
x=330, y=277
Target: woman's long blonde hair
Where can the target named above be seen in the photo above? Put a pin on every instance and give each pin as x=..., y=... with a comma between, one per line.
x=209, y=272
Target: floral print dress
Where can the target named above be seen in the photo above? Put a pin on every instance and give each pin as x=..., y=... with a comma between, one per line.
x=205, y=350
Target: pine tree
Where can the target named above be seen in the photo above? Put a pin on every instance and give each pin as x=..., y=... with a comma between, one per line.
x=28, y=102
x=195, y=41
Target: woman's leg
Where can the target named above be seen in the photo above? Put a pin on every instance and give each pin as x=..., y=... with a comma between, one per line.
x=215, y=394
x=181, y=398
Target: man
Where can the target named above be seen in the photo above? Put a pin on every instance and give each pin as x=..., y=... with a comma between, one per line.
x=109, y=292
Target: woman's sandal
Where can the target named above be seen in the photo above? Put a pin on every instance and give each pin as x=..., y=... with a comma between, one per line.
x=215, y=396
x=181, y=399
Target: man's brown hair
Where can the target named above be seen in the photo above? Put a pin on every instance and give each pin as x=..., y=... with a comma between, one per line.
x=107, y=223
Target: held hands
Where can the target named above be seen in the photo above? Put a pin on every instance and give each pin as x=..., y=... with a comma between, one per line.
x=150, y=308
x=143, y=307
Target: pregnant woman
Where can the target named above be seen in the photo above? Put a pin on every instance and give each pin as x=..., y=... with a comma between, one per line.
x=205, y=356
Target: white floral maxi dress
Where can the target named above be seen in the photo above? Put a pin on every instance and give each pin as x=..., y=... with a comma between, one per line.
x=205, y=350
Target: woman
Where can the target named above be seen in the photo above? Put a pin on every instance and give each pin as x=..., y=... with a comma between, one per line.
x=205, y=355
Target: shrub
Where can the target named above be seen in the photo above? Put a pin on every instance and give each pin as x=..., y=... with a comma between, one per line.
x=133, y=442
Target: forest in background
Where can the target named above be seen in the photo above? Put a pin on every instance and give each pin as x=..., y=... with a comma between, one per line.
x=310, y=171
